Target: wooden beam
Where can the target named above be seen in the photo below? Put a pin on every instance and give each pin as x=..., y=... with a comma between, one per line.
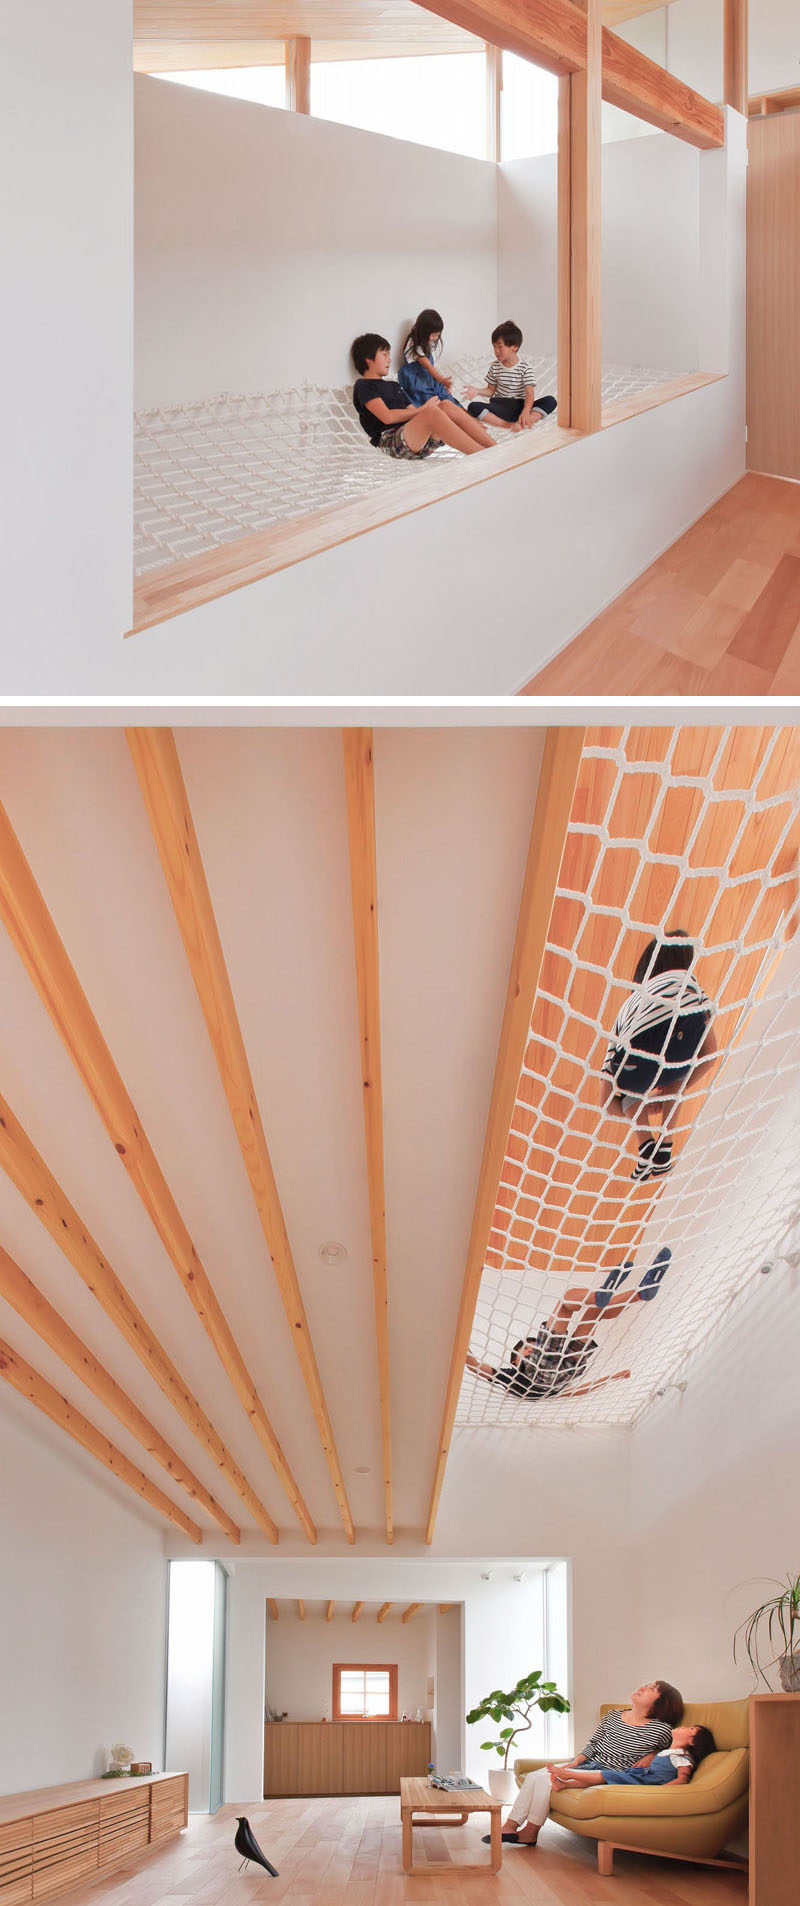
x=273, y=1608
x=494, y=98
x=28, y=1171
x=384, y=1610
x=558, y=775
x=359, y=770
x=357, y=1607
x=445, y=1607
x=44, y=956
x=552, y=33
x=47, y=1399
x=579, y=248
x=409, y=1612
x=330, y=1611
x=640, y=86
x=33, y=1307
x=298, y=74
x=301, y=1610
x=155, y=757
x=734, y=55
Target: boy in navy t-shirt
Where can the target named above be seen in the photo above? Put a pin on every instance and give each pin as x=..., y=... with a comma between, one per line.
x=400, y=429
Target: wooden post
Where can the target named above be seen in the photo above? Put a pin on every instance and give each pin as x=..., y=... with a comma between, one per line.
x=579, y=254
x=298, y=74
x=494, y=89
x=735, y=55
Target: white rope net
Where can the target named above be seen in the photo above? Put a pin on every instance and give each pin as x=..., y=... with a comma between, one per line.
x=213, y=471
x=695, y=828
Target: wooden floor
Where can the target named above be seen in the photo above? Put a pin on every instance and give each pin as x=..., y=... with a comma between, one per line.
x=718, y=614
x=346, y=1852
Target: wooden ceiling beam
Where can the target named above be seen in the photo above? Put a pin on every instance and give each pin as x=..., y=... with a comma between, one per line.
x=384, y=1610
x=273, y=1608
x=42, y=1192
x=359, y=769
x=642, y=87
x=412, y=1610
x=29, y=1383
x=558, y=775
x=157, y=765
x=444, y=1607
x=301, y=1610
x=357, y=1607
x=33, y=1307
x=552, y=33
x=44, y=956
x=330, y=1611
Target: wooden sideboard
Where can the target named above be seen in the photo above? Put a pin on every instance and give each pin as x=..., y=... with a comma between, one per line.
x=774, y=1810
x=330, y=1757
x=54, y=1837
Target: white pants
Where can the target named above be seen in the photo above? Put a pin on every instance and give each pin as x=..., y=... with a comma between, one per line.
x=532, y=1804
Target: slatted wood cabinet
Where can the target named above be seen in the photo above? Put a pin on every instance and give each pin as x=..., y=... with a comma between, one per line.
x=54, y=1837
x=330, y=1757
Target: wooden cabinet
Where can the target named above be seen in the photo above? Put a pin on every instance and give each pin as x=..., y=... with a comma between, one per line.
x=774, y=1799
x=53, y=1838
x=330, y=1757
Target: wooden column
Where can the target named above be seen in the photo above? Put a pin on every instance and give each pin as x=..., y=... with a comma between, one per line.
x=734, y=55
x=579, y=255
x=298, y=74
x=494, y=88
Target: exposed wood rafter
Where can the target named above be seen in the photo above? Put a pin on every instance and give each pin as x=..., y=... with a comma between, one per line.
x=29, y=1383
x=559, y=771
x=360, y=787
x=298, y=74
x=158, y=767
x=301, y=1610
x=330, y=1611
x=357, y=1607
x=273, y=1608
x=734, y=55
x=384, y=1610
x=28, y=1171
x=33, y=1307
x=445, y=1607
x=44, y=956
x=409, y=1612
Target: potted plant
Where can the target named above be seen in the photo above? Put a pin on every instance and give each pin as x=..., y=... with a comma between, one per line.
x=776, y=1624
x=530, y=1693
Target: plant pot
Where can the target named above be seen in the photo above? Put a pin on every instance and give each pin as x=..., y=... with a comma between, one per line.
x=789, y=1672
x=502, y=1785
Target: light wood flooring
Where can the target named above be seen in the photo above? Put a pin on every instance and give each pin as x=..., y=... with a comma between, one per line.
x=346, y=1852
x=718, y=614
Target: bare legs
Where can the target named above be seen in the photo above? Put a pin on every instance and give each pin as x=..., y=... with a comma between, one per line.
x=438, y=419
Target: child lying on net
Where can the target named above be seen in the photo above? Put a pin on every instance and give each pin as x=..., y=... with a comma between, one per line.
x=662, y=1039
x=552, y=1359
x=675, y=1763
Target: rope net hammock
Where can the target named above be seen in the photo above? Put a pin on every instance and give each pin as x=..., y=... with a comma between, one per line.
x=693, y=828
x=210, y=472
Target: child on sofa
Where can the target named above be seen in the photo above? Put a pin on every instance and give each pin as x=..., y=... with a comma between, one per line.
x=675, y=1763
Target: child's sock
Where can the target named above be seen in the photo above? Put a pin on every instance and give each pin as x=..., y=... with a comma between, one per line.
x=651, y=1281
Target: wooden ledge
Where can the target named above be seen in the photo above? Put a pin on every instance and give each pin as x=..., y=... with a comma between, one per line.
x=168, y=592
x=625, y=407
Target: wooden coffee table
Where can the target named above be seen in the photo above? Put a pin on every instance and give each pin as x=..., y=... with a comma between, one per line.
x=424, y=1806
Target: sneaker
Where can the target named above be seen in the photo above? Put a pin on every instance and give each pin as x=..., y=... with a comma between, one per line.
x=647, y=1147
x=649, y=1286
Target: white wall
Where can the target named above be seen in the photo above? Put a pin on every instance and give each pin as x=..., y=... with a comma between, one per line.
x=688, y=37
x=65, y=340
x=265, y=241
x=300, y=1657
x=83, y=1593
x=651, y=263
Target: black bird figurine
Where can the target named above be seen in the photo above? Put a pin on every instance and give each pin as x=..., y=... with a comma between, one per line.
x=246, y=1843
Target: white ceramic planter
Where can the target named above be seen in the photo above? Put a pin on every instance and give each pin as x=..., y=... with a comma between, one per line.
x=502, y=1785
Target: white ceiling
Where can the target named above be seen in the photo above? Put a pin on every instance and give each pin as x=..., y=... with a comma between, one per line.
x=453, y=818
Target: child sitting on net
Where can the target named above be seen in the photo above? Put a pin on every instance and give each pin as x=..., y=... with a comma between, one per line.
x=672, y=1765
x=418, y=373
x=398, y=428
x=508, y=396
x=662, y=1038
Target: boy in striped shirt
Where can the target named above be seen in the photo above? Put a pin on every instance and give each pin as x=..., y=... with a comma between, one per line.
x=508, y=395
x=662, y=1039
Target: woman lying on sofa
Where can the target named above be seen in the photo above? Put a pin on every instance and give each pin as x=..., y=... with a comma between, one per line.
x=675, y=1763
x=624, y=1736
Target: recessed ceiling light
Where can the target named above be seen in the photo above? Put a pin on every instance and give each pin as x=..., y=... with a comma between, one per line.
x=332, y=1253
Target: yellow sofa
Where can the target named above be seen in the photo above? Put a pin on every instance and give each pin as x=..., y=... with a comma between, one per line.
x=692, y=1822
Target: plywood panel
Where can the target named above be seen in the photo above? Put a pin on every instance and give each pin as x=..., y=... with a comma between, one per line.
x=408, y=1752
x=773, y=295
x=774, y=1815
x=281, y=1749
x=364, y=1756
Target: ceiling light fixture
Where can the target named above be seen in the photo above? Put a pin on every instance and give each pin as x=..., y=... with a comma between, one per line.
x=364, y=1470
x=332, y=1253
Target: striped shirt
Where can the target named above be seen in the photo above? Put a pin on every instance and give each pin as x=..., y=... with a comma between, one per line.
x=509, y=380
x=661, y=1001
x=619, y=1745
